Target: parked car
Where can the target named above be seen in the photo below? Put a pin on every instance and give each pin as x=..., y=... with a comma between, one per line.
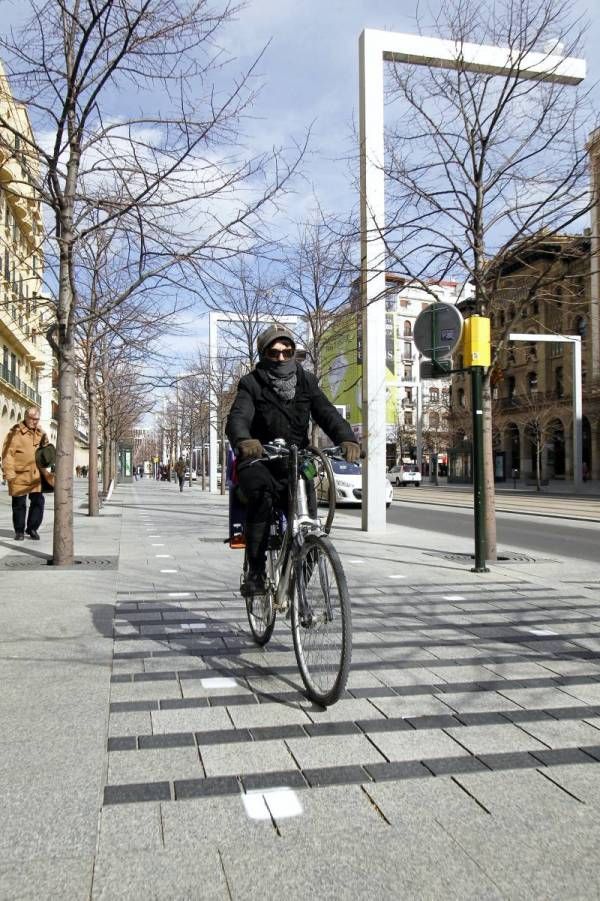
x=187, y=475
x=348, y=484
x=404, y=474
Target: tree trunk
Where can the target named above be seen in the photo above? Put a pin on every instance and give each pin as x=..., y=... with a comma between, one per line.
x=223, y=456
x=191, y=449
x=538, y=461
x=203, y=468
x=62, y=544
x=93, y=506
x=489, y=489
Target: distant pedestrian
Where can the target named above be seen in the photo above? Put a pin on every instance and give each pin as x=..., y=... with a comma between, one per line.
x=180, y=472
x=23, y=474
x=78, y=471
x=585, y=473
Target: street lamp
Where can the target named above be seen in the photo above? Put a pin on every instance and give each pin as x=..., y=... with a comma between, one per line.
x=575, y=340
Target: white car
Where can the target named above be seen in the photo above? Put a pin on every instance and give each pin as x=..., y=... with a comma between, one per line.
x=404, y=474
x=348, y=485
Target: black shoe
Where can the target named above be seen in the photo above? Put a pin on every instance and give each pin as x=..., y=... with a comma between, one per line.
x=19, y=536
x=33, y=534
x=255, y=583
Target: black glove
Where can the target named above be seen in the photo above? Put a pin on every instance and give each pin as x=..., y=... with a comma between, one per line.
x=250, y=448
x=351, y=451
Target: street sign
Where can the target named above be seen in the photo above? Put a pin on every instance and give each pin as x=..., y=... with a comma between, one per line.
x=430, y=369
x=438, y=330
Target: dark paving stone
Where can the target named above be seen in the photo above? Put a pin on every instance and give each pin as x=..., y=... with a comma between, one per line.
x=120, y=678
x=396, y=769
x=449, y=766
x=317, y=729
x=183, y=703
x=526, y=716
x=453, y=687
x=375, y=692
x=441, y=721
x=394, y=724
x=204, y=788
x=154, y=677
x=573, y=713
x=335, y=775
x=135, y=792
x=280, y=779
x=509, y=761
x=556, y=756
x=577, y=680
x=482, y=718
x=168, y=740
x=132, y=706
x=122, y=743
x=406, y=690
x=266, y=733
x=593, y=751
x=499, y=684
x=232, y=700
x=223, y=736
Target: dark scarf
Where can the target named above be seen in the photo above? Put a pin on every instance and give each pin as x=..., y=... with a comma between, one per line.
x=282, y=376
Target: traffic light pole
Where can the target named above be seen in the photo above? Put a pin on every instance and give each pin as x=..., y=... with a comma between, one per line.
x=478, y=472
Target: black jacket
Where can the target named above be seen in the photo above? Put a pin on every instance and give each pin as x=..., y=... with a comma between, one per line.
x=257, y=412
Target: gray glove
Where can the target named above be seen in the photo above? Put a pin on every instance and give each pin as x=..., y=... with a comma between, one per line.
x=250, y=448
x=351, y=451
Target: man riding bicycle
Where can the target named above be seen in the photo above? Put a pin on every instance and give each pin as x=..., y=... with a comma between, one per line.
x=276, y=400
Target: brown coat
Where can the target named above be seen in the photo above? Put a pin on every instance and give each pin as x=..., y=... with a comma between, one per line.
x=18, y=459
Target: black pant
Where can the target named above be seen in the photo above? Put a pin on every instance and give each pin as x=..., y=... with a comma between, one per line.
x=263, y=487
x=35, y=515
x=180, y=482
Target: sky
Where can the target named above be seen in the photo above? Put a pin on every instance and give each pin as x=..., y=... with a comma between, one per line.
x=309, y=76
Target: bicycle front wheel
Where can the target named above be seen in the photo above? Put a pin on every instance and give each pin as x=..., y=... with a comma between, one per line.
x=321, y=620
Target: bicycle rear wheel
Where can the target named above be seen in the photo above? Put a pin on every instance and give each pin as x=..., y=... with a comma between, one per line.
x=260, y=608
x=321, y=620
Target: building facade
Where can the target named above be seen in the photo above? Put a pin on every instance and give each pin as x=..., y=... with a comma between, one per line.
x=25, y=360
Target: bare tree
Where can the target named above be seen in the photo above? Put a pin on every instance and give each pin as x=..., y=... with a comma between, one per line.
x=70, y=66
x=484, y=167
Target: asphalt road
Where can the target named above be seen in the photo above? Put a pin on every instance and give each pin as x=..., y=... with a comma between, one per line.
x=529, y=534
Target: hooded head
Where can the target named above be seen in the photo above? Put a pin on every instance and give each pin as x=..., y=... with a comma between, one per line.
x=277, y=347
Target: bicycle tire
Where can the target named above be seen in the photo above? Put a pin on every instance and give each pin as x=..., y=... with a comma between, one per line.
x=260, y=610
x=318, y=573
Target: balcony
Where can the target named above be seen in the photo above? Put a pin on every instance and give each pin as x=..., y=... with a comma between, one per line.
x=407, y=403
x=8, y=377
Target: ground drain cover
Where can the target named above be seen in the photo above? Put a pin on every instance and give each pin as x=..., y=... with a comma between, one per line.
x=505, y=557
x=20, y=561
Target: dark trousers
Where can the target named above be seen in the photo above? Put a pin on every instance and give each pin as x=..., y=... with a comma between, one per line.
x=35, y=514
x=180, y=482
x=263, y=487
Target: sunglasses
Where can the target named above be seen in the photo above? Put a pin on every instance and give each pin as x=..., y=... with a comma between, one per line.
x=273, y=354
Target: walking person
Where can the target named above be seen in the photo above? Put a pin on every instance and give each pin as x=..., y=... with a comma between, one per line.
x=23, y=475
x=180, y=472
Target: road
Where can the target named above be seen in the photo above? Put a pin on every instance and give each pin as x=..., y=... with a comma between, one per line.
x=529, y=534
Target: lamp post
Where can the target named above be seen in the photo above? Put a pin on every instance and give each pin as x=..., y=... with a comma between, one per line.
x=575, y=340
x=375, y=48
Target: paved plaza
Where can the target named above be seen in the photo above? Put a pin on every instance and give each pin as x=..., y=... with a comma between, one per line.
x=150, y=749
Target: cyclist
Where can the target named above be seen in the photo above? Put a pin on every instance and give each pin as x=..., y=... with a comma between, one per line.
x=276, y=400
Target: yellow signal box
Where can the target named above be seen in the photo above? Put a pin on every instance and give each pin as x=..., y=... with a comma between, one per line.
x=476, y=341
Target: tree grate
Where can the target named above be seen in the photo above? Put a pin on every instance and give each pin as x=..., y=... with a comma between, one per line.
x=21, y=561
x=505, y=557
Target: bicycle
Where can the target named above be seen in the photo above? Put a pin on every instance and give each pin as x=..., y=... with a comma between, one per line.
x=305, y=581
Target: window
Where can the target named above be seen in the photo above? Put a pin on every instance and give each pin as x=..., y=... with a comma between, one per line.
x=407, y=350
x=434, y=395
x=408, y=394
x=511, y=384
x=581, y=327
x=532, y=350
x=532, y=382
x=408, y=418
x=559, y=387
x=407, y=328
x=511, y=352
x=556, y=348
x=502, y=319
x=461, y=397
x=434, y=420
x=535, y=307
x=408, y=373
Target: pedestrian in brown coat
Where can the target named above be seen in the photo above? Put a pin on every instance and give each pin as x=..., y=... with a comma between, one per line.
x=22, y=473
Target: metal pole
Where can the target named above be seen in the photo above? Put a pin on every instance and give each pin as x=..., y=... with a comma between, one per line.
x=212, y=404
x=577, y=416
x=478, y=492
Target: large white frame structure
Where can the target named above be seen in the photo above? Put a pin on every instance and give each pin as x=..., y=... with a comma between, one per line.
x=575, y=340
x=213, y=337
x=375, y=48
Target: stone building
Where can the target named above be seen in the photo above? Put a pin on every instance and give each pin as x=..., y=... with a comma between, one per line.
x=25, y=358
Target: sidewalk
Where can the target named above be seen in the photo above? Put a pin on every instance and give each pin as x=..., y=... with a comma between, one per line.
x=150, y=749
